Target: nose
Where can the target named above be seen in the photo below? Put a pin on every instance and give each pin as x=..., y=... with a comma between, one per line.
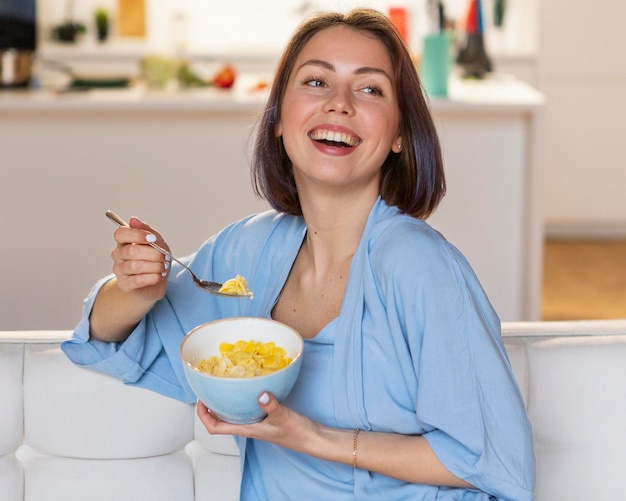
x=339, y=101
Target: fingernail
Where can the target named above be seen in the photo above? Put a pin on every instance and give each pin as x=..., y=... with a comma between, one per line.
x=167, y=265
x=264, y=398
x=151, y=238
x=168, y=258
x=164, y=274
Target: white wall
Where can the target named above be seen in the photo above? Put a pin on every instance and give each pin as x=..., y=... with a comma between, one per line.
x=582, y=71
x=253, y=25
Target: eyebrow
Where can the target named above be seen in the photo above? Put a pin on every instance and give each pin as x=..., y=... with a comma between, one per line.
x=363, y=70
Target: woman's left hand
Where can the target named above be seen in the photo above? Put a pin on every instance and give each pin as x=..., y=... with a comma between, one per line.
x=405, y=457
x=282, y=426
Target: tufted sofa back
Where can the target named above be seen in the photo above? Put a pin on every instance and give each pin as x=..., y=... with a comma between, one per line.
x=573, y=377
x=70, y=434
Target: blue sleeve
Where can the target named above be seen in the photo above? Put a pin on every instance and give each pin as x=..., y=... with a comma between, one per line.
x=141, y=360
x=149, y=357
x=467, y=398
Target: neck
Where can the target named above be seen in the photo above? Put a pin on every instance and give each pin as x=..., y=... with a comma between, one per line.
x=334, y=230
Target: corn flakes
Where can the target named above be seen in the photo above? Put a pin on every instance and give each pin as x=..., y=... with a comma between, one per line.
x=237, y=286
x=245, y=359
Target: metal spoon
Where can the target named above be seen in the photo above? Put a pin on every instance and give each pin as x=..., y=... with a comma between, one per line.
x=212, y=287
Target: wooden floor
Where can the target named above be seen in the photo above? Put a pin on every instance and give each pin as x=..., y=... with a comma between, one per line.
x=584, y=280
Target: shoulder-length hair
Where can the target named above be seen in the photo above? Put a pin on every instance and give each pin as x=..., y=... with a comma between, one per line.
x=412, y=180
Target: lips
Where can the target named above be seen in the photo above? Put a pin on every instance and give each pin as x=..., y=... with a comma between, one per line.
x=336, y=138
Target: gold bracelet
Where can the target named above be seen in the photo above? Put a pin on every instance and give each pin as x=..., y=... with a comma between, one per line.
x=355, y=443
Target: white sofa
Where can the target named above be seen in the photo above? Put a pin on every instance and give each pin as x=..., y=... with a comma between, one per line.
x=70, y=434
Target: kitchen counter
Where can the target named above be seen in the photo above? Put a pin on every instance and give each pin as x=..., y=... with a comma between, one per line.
x=180, y=161
x=497, y=94
x=137, y=97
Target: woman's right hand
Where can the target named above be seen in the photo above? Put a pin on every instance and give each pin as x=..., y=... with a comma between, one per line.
x=140, y=269
x=140, y=281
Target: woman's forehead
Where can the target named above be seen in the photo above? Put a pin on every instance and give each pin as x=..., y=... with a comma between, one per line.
x=344, y=43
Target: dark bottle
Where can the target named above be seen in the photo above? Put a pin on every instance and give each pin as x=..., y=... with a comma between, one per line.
x=472, y=55
x=18, y=41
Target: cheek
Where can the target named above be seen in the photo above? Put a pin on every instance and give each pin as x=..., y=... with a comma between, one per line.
x=289, y=126
x=290, y=148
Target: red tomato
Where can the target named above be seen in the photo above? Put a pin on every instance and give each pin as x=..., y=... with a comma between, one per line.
x=225, y=77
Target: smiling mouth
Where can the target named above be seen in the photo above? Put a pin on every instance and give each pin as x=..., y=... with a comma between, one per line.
x=334, y=138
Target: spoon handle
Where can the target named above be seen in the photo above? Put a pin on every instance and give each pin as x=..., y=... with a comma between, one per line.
x=115, y=218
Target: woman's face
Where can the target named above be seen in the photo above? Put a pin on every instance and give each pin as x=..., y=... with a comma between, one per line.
x=340, y=116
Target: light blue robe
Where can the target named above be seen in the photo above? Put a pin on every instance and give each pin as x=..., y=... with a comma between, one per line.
x=415, y=350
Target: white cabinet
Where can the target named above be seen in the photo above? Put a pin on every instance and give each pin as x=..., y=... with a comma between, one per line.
x=180, y=162
x=178, y=165
x=492, y=138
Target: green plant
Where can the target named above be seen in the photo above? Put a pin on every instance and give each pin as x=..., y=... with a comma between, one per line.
x=101, y=16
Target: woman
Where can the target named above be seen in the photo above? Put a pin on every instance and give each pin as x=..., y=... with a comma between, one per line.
x=405, y=390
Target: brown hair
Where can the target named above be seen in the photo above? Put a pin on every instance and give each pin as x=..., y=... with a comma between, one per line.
x=412, y=180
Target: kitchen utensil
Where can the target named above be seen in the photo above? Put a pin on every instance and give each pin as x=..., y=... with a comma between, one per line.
x=15, y=67
x=18, y=42
x=84, y=80
x=211, y=287
x=104, y=81
x=472, y=55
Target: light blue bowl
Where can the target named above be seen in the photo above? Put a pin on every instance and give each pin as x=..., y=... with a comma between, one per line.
x=235, y=399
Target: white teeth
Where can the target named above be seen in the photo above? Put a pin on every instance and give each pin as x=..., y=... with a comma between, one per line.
x=337, y=137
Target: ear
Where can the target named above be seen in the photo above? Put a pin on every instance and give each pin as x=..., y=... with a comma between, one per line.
x=278, y=129
x=396, y=146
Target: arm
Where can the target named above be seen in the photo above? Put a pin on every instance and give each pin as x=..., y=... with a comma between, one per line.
x=408, y=458
x=466, y=399
x=116, y=313
x=140, y=281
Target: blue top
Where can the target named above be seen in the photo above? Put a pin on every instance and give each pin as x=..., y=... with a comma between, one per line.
x=415, y=350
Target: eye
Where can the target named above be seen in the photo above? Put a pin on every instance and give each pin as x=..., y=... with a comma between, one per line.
x=317, y=82
x=373, y=90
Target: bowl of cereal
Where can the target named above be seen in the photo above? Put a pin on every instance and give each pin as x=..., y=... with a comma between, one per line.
x=230, y=362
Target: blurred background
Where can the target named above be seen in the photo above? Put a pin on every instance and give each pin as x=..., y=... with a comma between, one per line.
x=246, y=26
x=570, y=51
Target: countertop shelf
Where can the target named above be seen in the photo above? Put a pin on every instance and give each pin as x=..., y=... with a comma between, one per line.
x=497, y=93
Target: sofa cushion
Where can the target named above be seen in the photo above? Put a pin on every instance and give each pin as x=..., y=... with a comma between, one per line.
x=577, y=404
x=219, y=444
x=77, y=413
x=11, y=479
x=217, y=477
x=11, y=423
x=162, y=478
x=516, y=351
